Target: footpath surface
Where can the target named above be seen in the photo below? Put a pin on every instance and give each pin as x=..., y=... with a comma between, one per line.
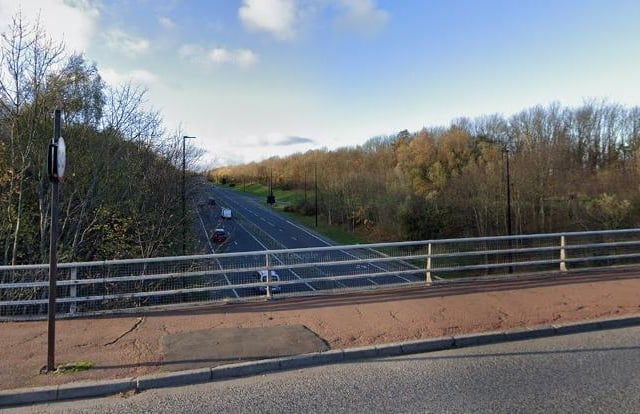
x=133, y=345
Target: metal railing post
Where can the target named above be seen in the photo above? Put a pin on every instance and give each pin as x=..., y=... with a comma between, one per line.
x=563, y=255
x=115, y=284
x=428, y=264
x=73, y=290
x=268, y=263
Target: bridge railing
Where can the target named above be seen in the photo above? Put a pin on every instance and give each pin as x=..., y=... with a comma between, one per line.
x=112, y=286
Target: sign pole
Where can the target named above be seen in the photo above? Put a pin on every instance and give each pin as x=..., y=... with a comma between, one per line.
x=54, y=176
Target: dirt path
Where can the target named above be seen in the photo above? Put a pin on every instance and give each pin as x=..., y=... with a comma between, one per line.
x=129, y=345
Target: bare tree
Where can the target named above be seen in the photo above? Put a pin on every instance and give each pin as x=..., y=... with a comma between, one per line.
x=27, y=56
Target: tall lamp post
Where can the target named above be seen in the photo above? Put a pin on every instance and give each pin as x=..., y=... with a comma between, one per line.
x=184, y=164
x=509, y=230
x=316, y=190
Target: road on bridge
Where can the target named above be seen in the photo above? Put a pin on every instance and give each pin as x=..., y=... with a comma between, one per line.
x=256, y=227
x=584, y=373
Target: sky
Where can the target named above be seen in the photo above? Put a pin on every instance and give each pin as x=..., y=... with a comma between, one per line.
x=252, y=79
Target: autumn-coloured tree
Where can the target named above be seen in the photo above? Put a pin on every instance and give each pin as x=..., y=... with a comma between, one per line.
x=571, y=169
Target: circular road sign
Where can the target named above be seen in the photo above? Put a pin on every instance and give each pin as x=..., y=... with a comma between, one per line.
x=61, y=159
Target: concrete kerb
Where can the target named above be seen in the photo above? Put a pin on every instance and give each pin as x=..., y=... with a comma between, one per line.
x=244, y=369
x=519, y=334
x=430, y=345
x=483, y=338
x=173, y=379
x=28, y=395
x=89, y=389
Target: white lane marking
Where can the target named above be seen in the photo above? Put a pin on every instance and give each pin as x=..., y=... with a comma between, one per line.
x=311, y=234
x=240, y=206
x=265, y=247
x=204, y=228
x=213, y=250
x=345, y=252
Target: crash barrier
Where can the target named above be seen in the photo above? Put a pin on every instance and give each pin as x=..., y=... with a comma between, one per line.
x=117, y=285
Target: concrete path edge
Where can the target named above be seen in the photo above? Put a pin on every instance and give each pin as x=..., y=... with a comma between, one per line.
x=92, y=389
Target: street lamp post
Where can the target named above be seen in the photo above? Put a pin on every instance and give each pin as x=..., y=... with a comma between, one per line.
x=316, y=190
x=305, y=187
x=184, y=164
x=509, y=229
x=509, y=232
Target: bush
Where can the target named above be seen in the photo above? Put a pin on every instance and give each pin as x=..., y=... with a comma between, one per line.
x=421, y=219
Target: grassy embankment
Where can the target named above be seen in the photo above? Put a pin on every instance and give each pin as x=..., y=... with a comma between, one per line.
x=286, y=198
x=338, y=234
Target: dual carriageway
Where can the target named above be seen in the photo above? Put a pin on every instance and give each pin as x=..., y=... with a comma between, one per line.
x=256, y=227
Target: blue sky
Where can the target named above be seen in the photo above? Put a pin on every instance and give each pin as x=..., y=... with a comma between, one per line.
x=256, y=78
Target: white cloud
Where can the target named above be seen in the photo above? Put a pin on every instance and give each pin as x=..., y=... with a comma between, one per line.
x=285, y=19
x=220, y=55
x=191, y=52
x=277, y=17
x=361, y=16
x=126, y=43
x=242, y=58
x=245, y=58
x=166, y=22
x=136, y=76
x=71, y=21
x=278, y=139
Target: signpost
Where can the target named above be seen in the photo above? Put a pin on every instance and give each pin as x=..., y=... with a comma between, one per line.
x=56, y=164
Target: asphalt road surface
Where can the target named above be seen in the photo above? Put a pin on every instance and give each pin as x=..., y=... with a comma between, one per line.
x=596, y=372
x=256, y=227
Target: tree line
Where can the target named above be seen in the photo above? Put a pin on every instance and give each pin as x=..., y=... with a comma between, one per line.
x=570, y=169
x=121, y=195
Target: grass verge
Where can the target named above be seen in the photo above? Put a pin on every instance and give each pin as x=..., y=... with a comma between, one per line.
x=286, y=198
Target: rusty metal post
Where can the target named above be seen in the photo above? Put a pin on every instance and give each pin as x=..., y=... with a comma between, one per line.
x=53, y=245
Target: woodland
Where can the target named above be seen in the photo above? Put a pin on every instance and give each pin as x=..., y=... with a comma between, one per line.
x=122, y=189
x=569, y=168
x=553, y=168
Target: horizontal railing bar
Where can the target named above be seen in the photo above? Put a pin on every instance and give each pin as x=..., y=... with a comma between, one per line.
x=211, y=273
x=310, y=266
x=309, y=280
x=320, y=249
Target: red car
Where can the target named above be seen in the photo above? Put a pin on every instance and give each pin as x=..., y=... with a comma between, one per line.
x=219, y=235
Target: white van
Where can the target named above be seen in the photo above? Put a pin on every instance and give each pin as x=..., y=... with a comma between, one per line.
x=225, y=213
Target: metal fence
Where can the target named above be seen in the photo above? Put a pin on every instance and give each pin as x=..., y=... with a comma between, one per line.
x=98, y=287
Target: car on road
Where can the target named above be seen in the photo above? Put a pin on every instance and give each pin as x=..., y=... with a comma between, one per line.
x=219, y=235
x=225, y=213
x=262, y=275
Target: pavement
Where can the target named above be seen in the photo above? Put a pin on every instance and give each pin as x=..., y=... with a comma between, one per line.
x=163, y=348
x=213, y=347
